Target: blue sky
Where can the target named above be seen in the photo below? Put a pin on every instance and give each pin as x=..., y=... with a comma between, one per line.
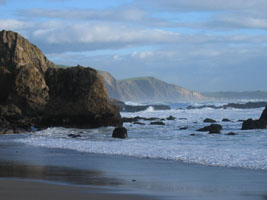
x=204, y=45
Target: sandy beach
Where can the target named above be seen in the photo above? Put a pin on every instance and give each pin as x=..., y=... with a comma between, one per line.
x=27, y=172
x=25, y=190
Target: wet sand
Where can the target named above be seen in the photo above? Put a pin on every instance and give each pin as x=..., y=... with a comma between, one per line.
x=122, y=177
x=31, y=190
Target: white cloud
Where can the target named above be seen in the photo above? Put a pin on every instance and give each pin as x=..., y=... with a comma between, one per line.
x=12, y=24
x=237, y=21
x=205, y=5
x=92, y=36
x=121, y=14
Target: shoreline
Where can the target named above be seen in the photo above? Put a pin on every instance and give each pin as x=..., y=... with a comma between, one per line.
x=149, y=178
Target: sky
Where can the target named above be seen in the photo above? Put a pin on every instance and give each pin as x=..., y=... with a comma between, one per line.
x=202, y=45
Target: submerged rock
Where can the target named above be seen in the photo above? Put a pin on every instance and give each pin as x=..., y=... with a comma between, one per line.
x=139, y=123
x=157, y=123
x=74, y=135
x=120, y=132
x=34, y=91
x=231, y=133
x=226, y=120
x=171, y=118
x=183, y=128
x=212, y=129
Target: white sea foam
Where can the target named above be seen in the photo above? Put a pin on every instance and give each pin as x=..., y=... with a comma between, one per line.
x=248, y=149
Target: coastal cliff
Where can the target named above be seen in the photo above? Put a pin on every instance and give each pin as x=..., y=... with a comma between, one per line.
x=35, y=92
x=147, y=89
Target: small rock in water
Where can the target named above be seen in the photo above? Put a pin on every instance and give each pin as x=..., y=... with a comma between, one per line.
x=139, y=123
x=74, y=135
x=171, y=118
x=157, y=123
x=120, y=132
x=231, y=133
x=192, y=134
x=183, y=128
x=208, y=120
x=226, y=120
x=182, y=118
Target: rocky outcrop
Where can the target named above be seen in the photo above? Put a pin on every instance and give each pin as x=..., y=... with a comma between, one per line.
x=78, y=99
x=34, y=92
x=212, y=129
x=261, y=123
x=263, y=116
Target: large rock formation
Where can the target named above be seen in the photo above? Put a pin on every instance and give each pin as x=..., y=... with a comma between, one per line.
x=34, y=91
x=78, y=98
x=261, y=123
x=146, y=89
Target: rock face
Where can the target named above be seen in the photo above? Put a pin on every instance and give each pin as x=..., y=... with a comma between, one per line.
x=256, y=124
x=120, y=132
x=77, y=96
x=22, y=70
x=34, y=91
x=146, y=89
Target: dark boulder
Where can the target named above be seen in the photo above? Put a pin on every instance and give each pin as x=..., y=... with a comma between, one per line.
x=74, y=135
x=157, y=123
x=171, y=118
x=212, y=129
x=226, y=120
x=139, y=123
x=208, y=120
x=183, y=128
x=231, y=133
x=120, y=132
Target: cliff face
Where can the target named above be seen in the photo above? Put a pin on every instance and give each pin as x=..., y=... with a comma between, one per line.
x=34, y=90
x=22, y=69
x=147, y=89
x=78, y=95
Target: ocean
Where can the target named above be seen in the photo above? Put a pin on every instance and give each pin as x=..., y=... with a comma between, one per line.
x=247, y=149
